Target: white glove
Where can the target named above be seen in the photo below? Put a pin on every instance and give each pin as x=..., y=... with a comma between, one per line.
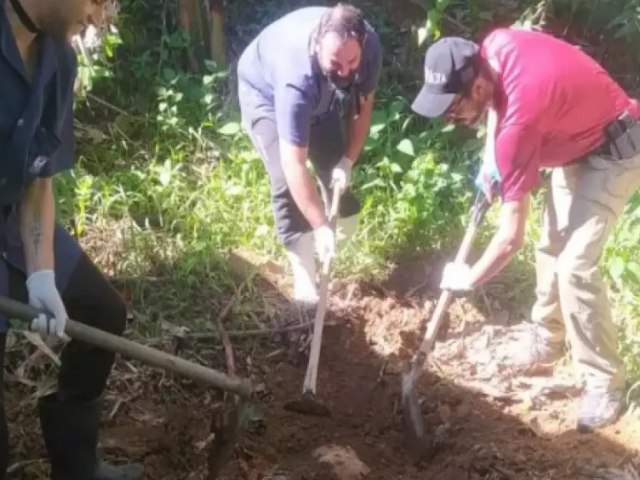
x=456, y=277
x=44, y=295
x=325, y=241
x=341, y=174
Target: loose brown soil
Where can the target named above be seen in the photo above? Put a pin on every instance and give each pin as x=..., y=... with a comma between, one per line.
x=489, y=423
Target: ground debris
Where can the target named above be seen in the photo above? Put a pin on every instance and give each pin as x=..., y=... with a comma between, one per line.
x=488, y=423
x=627, y=473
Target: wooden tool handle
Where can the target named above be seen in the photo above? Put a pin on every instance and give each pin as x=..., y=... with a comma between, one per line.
x=147, y=355
x=311, y=376
x=335, y=206
x=480, y=207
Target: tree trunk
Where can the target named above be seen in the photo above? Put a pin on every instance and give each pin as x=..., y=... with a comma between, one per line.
x=203, y=22
x=188, y=16
x=217, y=38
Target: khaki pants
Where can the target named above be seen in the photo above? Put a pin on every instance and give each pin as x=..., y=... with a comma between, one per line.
x=582, y=205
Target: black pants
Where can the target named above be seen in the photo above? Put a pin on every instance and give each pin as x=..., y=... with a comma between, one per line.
x=326, y=147
x=89, y=298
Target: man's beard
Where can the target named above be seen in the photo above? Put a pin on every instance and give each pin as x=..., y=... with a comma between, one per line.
x=341, y=82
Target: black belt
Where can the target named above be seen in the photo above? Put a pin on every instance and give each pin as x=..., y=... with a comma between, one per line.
x=622, y=138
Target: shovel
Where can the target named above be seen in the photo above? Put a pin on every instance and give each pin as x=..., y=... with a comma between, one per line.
x=308, y=404
x=222, y=450
x=128, y=348
x=414, y=424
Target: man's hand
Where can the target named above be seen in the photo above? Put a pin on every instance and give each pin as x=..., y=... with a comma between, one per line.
x=325, y=241
x=488, y=179
x=341, y=174
x=44, y=295
x=36, y=217
x=456, y=277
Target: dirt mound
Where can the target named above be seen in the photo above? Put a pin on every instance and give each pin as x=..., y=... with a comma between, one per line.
x=489, y=423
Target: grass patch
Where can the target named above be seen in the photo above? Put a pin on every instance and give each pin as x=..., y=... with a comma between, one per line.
x=166, y=183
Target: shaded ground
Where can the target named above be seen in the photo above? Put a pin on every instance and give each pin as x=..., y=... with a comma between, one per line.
x=490, y=425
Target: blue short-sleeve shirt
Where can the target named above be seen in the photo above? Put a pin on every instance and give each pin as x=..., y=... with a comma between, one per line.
x=278, y=77
x=36, y=141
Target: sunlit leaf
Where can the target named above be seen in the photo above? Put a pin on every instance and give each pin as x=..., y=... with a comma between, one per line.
x=231, y=128
x=616, y=267
x=376, y=129
x=634, y=269
x=406, y=146
x=422, y=35
x=395, y=168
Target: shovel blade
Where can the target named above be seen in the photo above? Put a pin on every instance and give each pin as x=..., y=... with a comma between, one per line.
x=412, y=413
x=308, y=405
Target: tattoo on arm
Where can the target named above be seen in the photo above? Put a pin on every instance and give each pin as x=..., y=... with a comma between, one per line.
x=35, y=231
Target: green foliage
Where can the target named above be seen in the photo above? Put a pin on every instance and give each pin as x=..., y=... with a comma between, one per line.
x=432, y=27
x=622, y=269
x=177, y=178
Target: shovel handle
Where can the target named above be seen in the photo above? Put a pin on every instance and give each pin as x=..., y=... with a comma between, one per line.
x=128, y=348
x=333, y=220
x=335, y=206
x=480, y=207
x=310, y=379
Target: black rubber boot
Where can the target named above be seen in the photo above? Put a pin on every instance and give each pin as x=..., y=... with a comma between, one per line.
x=70, y=433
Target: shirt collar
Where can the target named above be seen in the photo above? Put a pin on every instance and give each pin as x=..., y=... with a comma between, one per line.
x=47, y=62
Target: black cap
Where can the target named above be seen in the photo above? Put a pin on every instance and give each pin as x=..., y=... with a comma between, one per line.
x=449, y=66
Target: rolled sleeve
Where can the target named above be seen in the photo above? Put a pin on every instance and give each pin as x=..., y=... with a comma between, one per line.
x=64, y=156
x=517, y=158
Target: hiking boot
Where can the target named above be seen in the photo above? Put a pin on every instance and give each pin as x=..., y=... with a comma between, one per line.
x=598, y=409
x=70, y=431
x=535, y=354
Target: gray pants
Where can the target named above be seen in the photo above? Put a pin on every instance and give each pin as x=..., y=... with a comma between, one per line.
x=326, y=147
x=582, y=205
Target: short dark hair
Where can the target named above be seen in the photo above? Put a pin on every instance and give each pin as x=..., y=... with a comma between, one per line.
x=344, y=20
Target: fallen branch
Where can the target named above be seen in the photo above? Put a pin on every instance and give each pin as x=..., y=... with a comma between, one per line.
x=32, y=361
x=104, y=103
x=21, y=464
x=227, y=425
x=44, y=347
x=10, y=377
x=224, y=336
x=201, y=337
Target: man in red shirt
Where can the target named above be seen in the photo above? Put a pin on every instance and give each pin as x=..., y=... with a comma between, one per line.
x=548, y=105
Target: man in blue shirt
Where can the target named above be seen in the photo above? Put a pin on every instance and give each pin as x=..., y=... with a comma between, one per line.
x=306, y=85
x=40, y=262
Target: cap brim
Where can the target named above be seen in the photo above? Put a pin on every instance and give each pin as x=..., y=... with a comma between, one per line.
x=430, y=104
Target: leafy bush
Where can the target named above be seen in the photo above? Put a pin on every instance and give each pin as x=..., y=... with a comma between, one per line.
x=163, y=161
